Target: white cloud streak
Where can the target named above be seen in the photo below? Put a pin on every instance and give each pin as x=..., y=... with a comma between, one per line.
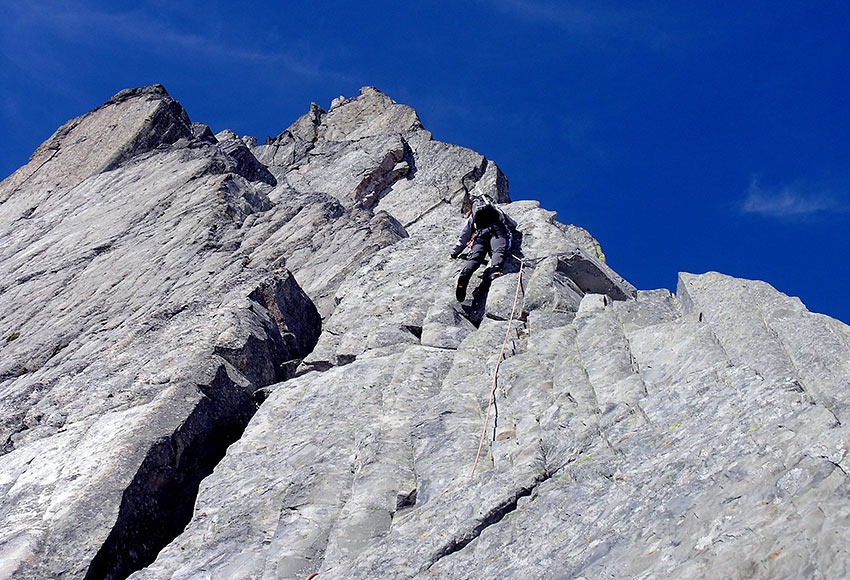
x=789, y=202
x=568, y=15
x=586, y=21
x=592, y=23
x=153, y=33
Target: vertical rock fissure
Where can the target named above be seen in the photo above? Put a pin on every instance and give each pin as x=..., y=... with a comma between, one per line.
x=159, y=502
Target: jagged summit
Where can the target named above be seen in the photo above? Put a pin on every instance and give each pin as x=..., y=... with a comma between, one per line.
x=132, y=122
x=349, y=119
x=156, y=90
x=222, y=359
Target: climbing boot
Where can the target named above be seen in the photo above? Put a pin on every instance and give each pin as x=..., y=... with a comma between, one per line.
x=495, y=274
x=460, y=290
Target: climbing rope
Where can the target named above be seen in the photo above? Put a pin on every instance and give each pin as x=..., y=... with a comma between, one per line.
x=498, y=364
x=522, y=263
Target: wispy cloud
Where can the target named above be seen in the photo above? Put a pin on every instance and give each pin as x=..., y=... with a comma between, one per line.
x=790, y=201
x=590, y=21
x=570, y=15
x=149, y=31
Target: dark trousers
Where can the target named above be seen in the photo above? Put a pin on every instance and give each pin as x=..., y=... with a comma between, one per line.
x=493, y=240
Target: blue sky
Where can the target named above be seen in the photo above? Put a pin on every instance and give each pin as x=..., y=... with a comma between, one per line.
x=685, y=136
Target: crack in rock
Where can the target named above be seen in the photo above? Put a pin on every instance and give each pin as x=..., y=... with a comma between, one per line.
x=158, y=504
x=493, y=517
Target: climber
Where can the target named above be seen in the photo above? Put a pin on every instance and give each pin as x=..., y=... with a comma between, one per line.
x=487, y=230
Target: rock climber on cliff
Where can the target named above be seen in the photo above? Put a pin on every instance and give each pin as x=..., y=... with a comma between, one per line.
x=487, y=230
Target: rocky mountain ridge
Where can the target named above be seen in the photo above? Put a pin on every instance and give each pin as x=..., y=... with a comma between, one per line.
x=231, y=360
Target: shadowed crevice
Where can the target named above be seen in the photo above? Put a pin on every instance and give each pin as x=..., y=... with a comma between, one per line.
x=493, y=517
x=159, y=502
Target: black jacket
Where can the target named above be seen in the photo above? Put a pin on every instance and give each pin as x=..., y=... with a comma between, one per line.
x=469, y=230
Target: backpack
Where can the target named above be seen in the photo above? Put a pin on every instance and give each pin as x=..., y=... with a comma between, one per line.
x=484, y=213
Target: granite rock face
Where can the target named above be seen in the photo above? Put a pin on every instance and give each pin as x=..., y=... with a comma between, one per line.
x=231, y=360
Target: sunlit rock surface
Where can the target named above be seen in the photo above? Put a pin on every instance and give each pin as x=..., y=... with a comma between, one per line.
x=223, y=359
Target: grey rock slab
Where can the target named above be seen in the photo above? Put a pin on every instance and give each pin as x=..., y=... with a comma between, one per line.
x=447, y=436
x=346, y=170
x=395, y=289
x=551, y=289
x=132, y=122
x=202, y=132
x=629, y=438
x=116, y=380
x=445, y=324
x=559, y=267
x=694, y=507
x=290, y=148
x=591, y=275
x=246, y=164
x=371, y=113
x=325, y=482
x=648, y=308
x=321, y=242
x=307, y=126
x=505, y=295
x=733, y=294
x=282, y=364
x=437, y=536
x=374, y=151
x=141, y=328
x=538, y=321
x=416, y=547
x=440, y=176
x=688, y=346
x=606, y=355
x=794, y=344
x=543, y=235
x=283, y=154
x=226, y=135
x=375, y=183
x=402, y=283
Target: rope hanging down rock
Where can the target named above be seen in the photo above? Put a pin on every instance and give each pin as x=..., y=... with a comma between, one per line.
x=498, y=364
x=522, y=262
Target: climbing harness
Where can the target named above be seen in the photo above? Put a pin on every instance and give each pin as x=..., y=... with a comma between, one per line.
x=522, y=263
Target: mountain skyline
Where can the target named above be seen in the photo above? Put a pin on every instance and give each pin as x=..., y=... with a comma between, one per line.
x=234, y=360
x=683, y=138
